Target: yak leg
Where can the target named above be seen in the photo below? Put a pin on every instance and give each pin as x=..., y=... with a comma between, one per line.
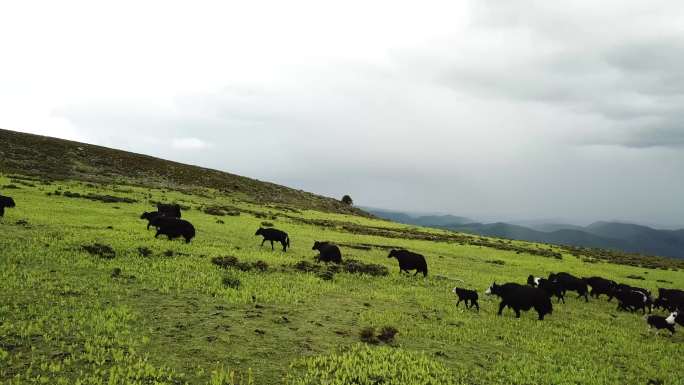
x=501, y=307
x=262, y=242
x=272, y=246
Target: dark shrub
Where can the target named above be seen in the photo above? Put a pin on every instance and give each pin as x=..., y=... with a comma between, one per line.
x=387, y=334
x=261, y=265
x=266, y=224
x=305, y=266
x=224, y=262
x=144, y=251
x=636, y=277
x=367, y=335
x=221, y=211
x=95, y=197
x=231, y=282
x=230, y=262
x=326, y=275
x=357, y=267
x=496, y=262
x=347, y=200
x=103, y=251
x=211, y=210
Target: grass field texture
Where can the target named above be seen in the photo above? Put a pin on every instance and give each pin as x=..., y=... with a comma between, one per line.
x=160, y=312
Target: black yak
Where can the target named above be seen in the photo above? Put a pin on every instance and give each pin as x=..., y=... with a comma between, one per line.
x=470, y=297
x=601, y=286
x=329, y=252
x=410, y=261
x=271, y=234
x=550, y=288
x=5, y=202
x=631, y=300
x=571, y=283
x=532, y=280
x=163, y=210
x=621, y=289
x=172, y=210
x=659, y=322
x=521, y=297
x=150, y=216
x=670, y=299
x=678, y=317
x=174, y=228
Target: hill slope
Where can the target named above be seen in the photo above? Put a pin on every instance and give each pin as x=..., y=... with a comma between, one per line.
x=53, y=158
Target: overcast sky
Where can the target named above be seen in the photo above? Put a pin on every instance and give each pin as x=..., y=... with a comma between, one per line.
x=497, y=110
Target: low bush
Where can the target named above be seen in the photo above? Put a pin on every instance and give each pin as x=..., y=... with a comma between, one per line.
x=100, y=250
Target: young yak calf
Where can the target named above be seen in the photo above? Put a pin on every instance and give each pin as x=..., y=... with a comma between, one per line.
x=467, y=296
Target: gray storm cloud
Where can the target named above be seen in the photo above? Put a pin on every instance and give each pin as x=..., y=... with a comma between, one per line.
x=516, y=110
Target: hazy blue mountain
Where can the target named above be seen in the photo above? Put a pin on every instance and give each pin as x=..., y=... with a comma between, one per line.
x=419, y=220
x=643, y=239
x=606, y=235
x=562, y=237
x=550, y=227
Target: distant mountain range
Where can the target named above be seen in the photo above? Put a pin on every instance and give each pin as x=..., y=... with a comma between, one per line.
x=605, y=235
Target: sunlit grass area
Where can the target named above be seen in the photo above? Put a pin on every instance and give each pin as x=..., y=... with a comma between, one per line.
x=159, y=311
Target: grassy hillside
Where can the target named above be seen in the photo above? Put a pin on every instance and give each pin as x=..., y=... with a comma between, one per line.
x=159, y=311
x=51, y=158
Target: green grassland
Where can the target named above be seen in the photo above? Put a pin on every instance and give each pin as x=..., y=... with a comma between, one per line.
x=172, y=317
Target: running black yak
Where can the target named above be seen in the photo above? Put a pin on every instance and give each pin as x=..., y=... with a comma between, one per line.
x=174, y=228
x=521, y=297
x=329, y=252
x=469, y=297
x=272, y=235
x=163, y=210
x=551, y=288
x=571, y=283
x=410, y=261
x=601, y=286
x=5, y=202
x=172, y=210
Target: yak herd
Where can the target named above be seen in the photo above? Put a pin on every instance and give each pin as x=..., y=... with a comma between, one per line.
x=536, y=293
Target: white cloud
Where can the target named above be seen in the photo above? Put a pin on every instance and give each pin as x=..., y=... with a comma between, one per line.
x=482, y=108
x=189, y=144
